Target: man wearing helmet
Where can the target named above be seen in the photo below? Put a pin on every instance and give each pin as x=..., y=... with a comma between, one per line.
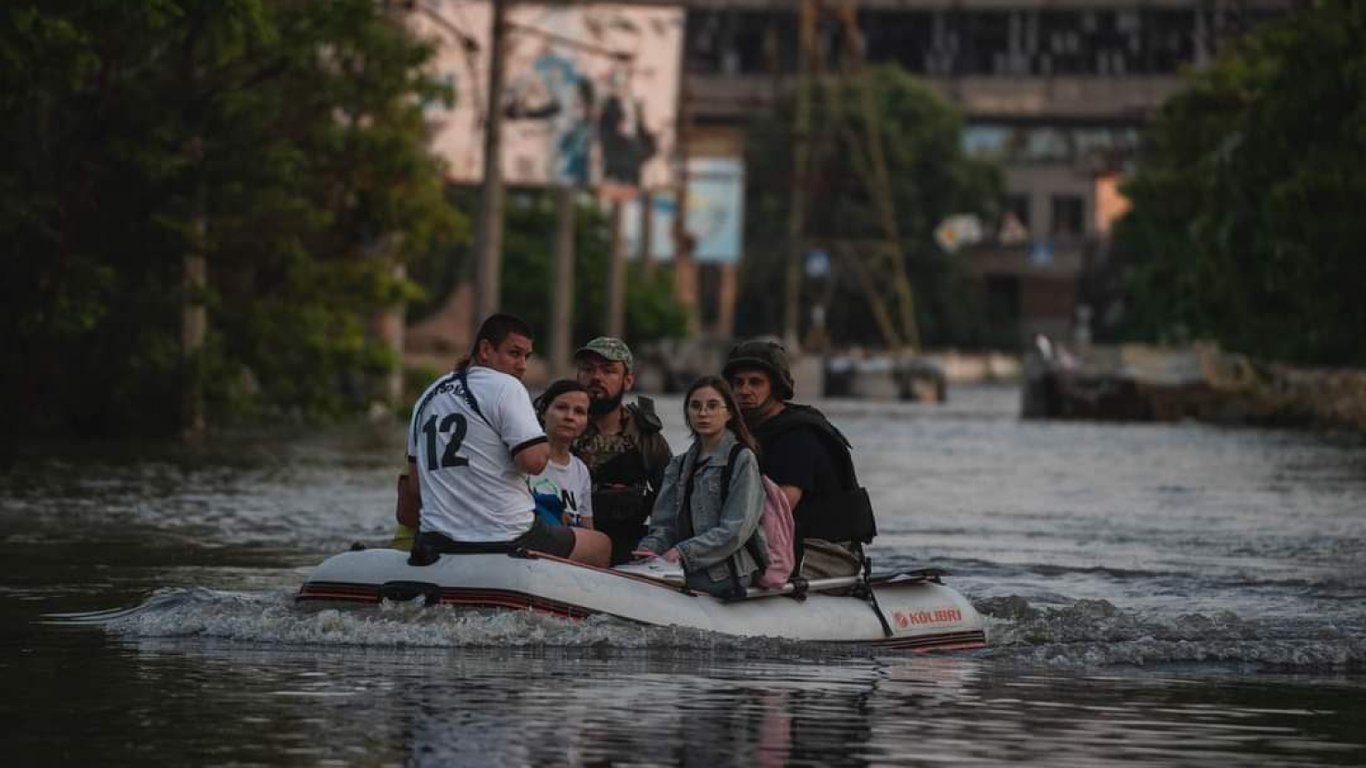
x=807, y=457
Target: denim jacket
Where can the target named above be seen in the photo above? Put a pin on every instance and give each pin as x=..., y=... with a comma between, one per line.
x=720, y=532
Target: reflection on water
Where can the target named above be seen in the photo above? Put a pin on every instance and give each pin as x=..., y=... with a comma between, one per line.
x=1157, y=595
x=161, y=701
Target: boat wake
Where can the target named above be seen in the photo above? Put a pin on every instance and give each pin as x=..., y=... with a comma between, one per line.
x=1083, y=634
x=277, y=618
x=1096, y=633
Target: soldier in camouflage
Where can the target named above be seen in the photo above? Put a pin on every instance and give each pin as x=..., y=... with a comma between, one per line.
x=623, y=447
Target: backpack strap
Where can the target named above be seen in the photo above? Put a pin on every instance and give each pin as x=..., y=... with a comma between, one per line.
x=729, y=470
x=685, y=504
x=643, y=411
x=752, y=544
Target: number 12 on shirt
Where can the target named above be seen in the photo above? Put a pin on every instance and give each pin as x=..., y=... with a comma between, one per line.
x=454, y=422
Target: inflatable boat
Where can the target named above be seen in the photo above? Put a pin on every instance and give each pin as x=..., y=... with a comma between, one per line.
x=912, y=609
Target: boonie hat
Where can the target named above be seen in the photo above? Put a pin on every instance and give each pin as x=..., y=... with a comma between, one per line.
x=767, y=356
x=608, y=348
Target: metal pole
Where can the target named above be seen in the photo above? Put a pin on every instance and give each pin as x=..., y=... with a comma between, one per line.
x=488, y=234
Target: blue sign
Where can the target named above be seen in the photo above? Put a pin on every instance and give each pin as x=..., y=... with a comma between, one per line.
x=716, y=204
x=1040, y=253
x=817, y=264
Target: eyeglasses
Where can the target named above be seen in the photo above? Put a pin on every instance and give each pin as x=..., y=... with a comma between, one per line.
x=711, y=406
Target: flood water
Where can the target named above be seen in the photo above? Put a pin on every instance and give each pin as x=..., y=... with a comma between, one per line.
x=1156, y=595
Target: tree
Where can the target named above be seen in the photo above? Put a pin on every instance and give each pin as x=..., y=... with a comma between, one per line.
x=1247, y=223
x=930, y=178
x=282, y=140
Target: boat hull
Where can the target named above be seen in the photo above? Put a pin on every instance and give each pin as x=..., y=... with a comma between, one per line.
x=917, y=611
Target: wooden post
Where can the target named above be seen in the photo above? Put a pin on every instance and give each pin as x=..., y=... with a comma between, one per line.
x=685, y=269
x=725, y=302
x=647, y=218
x=616, y=276
x=386, y=324
x=562, y=282
x=488, y=234
x=194, y=322
x=685, y=278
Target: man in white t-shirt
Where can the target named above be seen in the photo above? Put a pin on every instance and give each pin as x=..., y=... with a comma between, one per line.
x=473, y=440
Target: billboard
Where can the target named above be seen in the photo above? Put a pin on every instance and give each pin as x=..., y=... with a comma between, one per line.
x=716, y=205
x=590, y=91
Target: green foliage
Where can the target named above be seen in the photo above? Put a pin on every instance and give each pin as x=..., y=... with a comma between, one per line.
x=652, y=311
x=528, y=251
x=930, y=177
x=290, y=131
x=1247, y=223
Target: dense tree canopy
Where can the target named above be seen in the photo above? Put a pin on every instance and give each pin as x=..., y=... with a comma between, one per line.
x=283, y=139
x=1248, y=224
x=930, y=178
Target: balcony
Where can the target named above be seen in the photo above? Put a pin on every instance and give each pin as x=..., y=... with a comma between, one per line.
x=733, y=98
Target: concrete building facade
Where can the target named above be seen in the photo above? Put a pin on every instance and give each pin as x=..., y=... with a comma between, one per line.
x=1057, y=90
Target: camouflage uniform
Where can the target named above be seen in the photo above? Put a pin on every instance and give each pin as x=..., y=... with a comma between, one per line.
x=640, y=431
x=627, y=467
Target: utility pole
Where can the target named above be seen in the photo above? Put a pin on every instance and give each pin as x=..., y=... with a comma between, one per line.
x=488, y=233
x=801, y=138
x=877, y=178
x=878, y=264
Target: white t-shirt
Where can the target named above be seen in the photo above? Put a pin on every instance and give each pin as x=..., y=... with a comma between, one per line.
x=471, y=489
x=570, y=483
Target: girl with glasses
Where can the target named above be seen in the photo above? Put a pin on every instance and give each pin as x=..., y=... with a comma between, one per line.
x=697, y=521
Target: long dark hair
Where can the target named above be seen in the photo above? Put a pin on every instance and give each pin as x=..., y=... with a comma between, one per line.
x=736, y=422
x=557, y=388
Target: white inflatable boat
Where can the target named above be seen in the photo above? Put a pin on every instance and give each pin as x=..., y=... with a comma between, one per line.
x=905, y=610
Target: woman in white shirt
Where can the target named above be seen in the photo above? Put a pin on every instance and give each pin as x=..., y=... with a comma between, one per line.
x=564, y=490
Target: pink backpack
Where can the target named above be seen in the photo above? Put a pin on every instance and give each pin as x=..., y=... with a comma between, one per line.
x=779, y=531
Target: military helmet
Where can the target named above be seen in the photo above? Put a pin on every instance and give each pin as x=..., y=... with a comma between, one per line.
x=767, y=356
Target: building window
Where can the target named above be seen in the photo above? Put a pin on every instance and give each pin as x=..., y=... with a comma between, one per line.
x=1018, y=206
x=1003, y=308
x=1069, y=213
